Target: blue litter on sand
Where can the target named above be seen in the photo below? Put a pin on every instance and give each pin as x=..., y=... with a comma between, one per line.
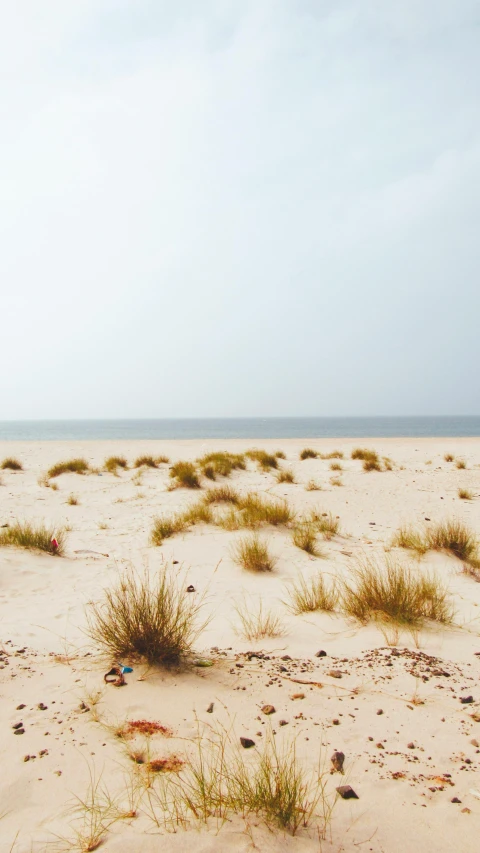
x=125, y=669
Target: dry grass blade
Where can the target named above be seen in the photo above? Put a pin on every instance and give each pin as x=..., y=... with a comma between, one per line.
x=256, y=623
x=12, y=464
x=75, y=466
x=252, y=554
x=149, y=616
x=393, y=592
x=309, y=596
x=35, y=537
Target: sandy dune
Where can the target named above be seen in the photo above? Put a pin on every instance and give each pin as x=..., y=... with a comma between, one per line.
x=392, y=691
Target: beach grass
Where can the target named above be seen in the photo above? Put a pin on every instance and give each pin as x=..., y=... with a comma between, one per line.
x=257, y=622
x=12, y=464
x=309, y=596
x=112, y=463
x=308, y=453
x=285, y=475
x=185, y=474
x=74, y=466
x=253, y=554
x=35, y=537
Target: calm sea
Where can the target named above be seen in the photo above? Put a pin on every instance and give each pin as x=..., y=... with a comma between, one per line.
x=381, y=427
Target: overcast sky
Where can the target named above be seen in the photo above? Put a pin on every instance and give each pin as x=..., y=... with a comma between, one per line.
x=239, y=207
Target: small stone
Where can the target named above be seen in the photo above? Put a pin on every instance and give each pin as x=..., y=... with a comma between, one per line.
x=268, y=709
x=336, y=722
x=455, y=800
x=286, y=657
x=19, y=732
x=410, y=745
x=337, y=760
x=17, y=726
x=475, y=742
x=283, y=723
x=247, y=742
x=321, y=654
x=466, y=700
x=21, y=707
x=190, y=588
x=297, y=696
x=210, y=708
x=42, y=707
x=26, y=758
x=379, y=712
x=346, y=792
x=380, y=746
x=466, y=810
x=335, y=673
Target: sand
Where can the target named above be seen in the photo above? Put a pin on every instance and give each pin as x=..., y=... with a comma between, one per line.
x=394, y=691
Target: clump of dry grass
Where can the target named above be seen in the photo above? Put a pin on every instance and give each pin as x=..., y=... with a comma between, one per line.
x=221, y=464
x=145, y=461
x=309, y=596
x=166, y=526
x=465, y=495
x=336, y=481
x=313, y=486
x=198, y=513
x=286, y=475
x=308, y=453
x=151, y=616
x=324, y=522
x=265, y=460
x=451, y=535
x=222, y=494
x=113, y=462
x=253, y=511
x=72, y=500
x=335, y=454
x=279, y=454
x=461, y=464
x=75, y=466
x=185, y=474
x=335, y=466
x=12, y=464
x=372, y=465
x=304, y=536
x=449, y=457
x=252, y=554
x=35, y=537
x=393, y=592
x=363, y=453
x=256, y=623
x=162, y=460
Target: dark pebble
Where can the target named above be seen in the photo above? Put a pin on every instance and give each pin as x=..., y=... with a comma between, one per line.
x=347, y=793
x=246, y=742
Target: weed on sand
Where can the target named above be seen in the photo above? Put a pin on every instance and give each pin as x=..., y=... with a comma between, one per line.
x=35, y=537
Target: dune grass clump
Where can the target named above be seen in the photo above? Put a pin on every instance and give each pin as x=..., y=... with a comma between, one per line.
x=279, y=454
x=393, y=592
x=304, y=536
x=286, y=475
x=74, y=466
x=265, y=460
x=363, y=453
x=185, y=474
x=461, y=464
x=335, y=466
x=410, y=537
x=254, y=511
x=145, y=462
x=35, y=537
x=12, y=464
x=324, y=522
x=252, y=554
x=336, y=481
x=449, y=457
x=198, y=513
x=372, y=465
x=162, y=460
x=334, y=454
x=166, y=526
x=221, y=464
x=222, y=494
x=309, y=596
x=113, y=462
x=465, y=495
x=150, y=616
x=313, y=486
x=308, y=453
x=454, y=536
x=257, y=623
x=72, y=500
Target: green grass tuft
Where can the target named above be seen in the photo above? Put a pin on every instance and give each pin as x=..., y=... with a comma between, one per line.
x=12, y=464
x=324, y=522
x=252, y=553
x=304, y=536
x=451, y=535
x=35, y=537
x=221, y=464
x=265, y=460
x=75, y=466
x=151, y=616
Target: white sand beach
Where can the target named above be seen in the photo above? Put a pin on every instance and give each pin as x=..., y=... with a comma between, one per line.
x=393, y=705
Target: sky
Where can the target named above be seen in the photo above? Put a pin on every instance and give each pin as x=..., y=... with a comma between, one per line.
x=239, y=208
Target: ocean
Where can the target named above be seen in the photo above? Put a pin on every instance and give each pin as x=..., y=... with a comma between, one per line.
x=254, y=428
